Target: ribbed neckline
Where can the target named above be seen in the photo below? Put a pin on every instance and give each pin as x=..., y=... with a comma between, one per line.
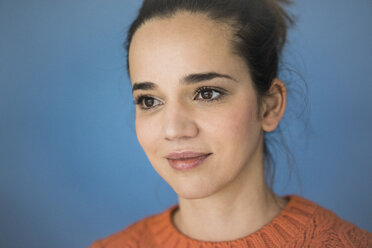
x=283, y=228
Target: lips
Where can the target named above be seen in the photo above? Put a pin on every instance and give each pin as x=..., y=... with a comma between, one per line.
x=185, y=155
x=186, y=160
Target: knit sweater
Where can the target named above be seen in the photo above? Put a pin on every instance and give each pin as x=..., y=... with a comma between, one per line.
x=301, y=223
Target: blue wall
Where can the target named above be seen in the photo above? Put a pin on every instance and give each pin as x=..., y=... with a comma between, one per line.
x=71, y=169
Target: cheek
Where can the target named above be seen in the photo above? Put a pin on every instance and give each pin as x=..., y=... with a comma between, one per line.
x=145, y=135
x=236, y=122
x=244, y=121
x=237, y=133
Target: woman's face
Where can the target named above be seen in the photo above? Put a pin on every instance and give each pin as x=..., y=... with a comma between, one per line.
x=196, y=96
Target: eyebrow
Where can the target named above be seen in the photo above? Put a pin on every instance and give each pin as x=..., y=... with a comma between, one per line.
x=187, y=80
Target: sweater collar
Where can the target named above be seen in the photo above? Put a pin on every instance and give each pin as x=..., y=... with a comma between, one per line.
x=289, y=223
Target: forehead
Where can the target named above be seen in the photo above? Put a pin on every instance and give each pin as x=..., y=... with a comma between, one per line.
x=182, y=44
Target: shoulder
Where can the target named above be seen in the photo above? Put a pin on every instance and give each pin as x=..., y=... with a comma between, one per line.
x=128, y=237
x=138, y=234
x=329, y=230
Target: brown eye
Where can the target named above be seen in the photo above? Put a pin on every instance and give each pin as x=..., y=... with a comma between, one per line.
x=207, y=94
x=148, y=102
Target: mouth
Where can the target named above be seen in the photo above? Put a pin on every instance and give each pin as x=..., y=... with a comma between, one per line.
x=183, y=161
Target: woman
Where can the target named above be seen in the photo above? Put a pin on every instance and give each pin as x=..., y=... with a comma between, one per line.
x=204, y=78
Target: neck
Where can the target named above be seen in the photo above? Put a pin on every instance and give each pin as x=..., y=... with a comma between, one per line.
x=218, y=217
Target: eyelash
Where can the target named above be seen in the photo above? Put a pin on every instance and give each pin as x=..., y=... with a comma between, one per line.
x=139, y=99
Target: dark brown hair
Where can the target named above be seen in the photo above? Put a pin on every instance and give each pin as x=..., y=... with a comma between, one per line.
x=260, y=33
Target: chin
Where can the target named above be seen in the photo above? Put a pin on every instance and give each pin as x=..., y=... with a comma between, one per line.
x=191, y=195
x=191, y=191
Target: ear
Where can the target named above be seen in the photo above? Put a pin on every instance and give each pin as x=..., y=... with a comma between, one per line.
x=273, y=105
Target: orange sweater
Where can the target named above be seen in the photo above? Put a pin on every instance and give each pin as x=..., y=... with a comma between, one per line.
x=301, y=223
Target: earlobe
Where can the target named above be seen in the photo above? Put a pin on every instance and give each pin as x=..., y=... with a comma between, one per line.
x=274, y=103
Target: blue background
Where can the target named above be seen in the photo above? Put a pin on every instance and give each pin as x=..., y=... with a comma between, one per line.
x=71, y=169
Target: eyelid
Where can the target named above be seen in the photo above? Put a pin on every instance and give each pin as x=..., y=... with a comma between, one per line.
x=222, y=93
x=139, y=100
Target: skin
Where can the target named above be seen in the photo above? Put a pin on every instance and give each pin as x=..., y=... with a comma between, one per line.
x=229, y=186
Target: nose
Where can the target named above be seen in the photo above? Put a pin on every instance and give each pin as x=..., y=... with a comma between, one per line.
x=179, y=123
